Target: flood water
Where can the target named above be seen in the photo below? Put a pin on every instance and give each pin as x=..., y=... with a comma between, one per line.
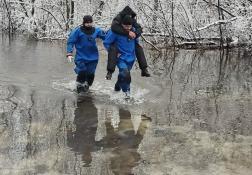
x=192, y=117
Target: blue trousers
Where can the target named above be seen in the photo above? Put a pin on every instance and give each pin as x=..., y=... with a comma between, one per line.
x=85, y=71
x=124, y=77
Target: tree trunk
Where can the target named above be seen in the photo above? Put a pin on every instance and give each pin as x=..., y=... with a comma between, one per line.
x=9, y=16
x=67, y=14
x=155, y=16
x=33, y=9
x=72, y=12
x=172, y=11
x=220, y=25
x=100, y=8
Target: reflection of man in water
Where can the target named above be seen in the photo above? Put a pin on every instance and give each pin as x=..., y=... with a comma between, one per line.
x=82, y=140
x=122, y=142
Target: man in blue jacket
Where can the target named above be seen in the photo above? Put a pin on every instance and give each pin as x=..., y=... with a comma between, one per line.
x=83, y=38
x=126, y=54
x=117, y=28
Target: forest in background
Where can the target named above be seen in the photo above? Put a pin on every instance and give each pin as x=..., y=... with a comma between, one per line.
x=165, y=22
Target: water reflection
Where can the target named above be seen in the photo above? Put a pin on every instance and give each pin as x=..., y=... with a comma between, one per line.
x=82, y=140
x=201, y=116
x=211, y=90
x=110, y=130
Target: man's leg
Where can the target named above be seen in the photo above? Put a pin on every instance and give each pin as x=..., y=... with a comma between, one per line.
x=112, y=61
x=81, y=79
x=124, y=80
x=142, y=61
x=91, y=67
x=117, y=87
x=81, y=82
x=124, y=77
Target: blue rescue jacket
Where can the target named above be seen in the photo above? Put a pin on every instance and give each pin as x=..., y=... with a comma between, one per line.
x=85, y=45
x=125, y=45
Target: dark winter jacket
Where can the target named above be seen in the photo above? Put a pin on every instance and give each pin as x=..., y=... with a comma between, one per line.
x=116, y=26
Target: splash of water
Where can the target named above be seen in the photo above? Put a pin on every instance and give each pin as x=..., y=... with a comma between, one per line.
x=105, y=89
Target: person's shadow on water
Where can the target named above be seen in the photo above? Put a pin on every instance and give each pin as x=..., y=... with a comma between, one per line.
x=121, y=140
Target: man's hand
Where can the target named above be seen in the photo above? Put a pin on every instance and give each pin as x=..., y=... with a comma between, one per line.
x=132, y=35
x=69, y=58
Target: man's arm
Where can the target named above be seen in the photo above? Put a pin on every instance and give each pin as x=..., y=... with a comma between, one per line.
x=101, y=34
x=138, y=28
x=109, y=39
x=71, y=41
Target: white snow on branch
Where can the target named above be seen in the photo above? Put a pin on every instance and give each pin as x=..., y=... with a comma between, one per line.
x=216, y=23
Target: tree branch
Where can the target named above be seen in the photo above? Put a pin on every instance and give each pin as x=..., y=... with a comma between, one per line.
x=25, y=11
x=150, y=43
x=41, y=9
x=219, y=8
x=216, y=23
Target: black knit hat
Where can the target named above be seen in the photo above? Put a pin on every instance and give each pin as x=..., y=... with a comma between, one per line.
x=127, y=20
x=87, y=19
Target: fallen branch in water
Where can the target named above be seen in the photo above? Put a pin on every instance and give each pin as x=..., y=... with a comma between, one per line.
x=50, y=38
x=150, y=43
x=215, y=23
x=155, y=34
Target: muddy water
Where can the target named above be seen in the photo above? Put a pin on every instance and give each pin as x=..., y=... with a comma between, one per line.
x=193, y=116
x=203, y=121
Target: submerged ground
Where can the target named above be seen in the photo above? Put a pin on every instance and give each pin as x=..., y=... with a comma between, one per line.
x=192, y=117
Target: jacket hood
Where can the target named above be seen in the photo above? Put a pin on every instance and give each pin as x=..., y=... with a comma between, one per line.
x=128, y=11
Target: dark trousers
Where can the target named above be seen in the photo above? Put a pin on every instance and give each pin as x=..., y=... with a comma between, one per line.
x=112, y=57
x=85, y=71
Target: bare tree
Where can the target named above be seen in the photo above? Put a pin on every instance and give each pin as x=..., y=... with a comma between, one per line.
x=8, y=11
x=172, y=22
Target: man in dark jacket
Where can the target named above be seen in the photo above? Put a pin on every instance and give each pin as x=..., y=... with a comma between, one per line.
x=116, y=27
